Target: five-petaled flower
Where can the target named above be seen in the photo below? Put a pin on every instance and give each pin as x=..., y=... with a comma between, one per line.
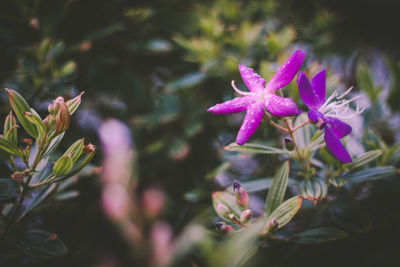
x=262, y=95
x=327, y=113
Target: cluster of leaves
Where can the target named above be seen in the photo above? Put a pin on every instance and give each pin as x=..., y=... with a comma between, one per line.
x=35, y=179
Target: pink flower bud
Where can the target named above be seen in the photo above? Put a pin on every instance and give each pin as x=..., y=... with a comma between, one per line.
x=241, y=196
x=224, y=228
x=245, y=216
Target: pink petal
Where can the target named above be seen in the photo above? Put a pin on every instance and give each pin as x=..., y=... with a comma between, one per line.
x=335, y=147
x=235, y=105
x=280, y=106
x=250, y=123
x=287, y=71
x=252, y=80
x=338, y=127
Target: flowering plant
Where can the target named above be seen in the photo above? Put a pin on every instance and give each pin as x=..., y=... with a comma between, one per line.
x=35, y=178
x=307, y=167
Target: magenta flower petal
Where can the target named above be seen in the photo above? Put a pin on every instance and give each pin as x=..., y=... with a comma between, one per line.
x=235, y=105
x=338, y=127
x=250, y=123
x=306, y=92
x=318, y=86
x=335, y=147
x=280, y=106
x=254, y=82
x=287, y=71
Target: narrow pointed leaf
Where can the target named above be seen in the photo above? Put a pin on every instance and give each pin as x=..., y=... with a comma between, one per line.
x=53, y=145
x=276, y=193
x=19, y=106
x=74, y=103
x=41, y=244
x=228, y=200
x=259, y=184
x=364, y=159
x=285, y=212
x=369, y=174
x=319, y=235
x=9, y=146
x=254, y=148
x=10, y=128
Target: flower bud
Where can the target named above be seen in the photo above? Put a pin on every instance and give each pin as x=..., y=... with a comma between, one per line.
x=75, y=150
x=63, y=116
x=223, y=211
x=224, y=228
x=289, y=145
x=272, y=226
x=241, y=196
x=63, y=165
x=245, y=216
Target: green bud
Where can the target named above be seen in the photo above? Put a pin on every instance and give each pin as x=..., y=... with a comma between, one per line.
x=75, y=150
x=63, y=165
x=289, y=145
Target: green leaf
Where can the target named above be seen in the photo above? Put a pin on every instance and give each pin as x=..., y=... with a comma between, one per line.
x=63, y=165
x=254, y=148
x=19, y=106
x=319, y=235
x=44, y=171
x=10, y=128
x=8, y=189
x=74, y=103
x=259, y=184
x=41, y=244
x=228, y=200
x=316, y=142
x=36, y=197
x=369, y=174
x=364, y=159
x=34, y=118
x=313, y=189
x=9, y=146
x=53, y=145
x=278, y=188
x=285, y=212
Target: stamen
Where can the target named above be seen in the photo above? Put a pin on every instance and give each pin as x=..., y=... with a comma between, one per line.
x=345, y=93
x=340, y=108
x=239, y=91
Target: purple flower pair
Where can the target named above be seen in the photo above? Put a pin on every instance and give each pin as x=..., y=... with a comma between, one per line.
x=262, y=96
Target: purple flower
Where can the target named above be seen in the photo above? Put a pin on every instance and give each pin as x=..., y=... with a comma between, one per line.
x=327, y=113
x=262, y=95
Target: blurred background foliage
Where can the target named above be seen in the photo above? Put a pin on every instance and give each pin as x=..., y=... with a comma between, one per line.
x=158, y=65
